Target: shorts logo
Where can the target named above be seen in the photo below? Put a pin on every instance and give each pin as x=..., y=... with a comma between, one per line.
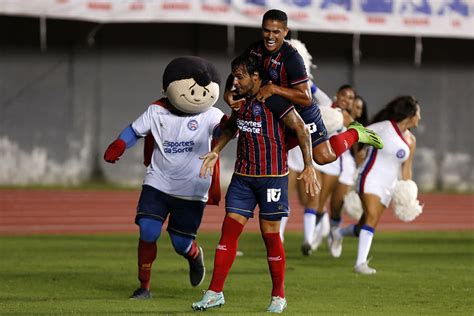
x=193, y=125
x=257, y=110
x=273, y=195
x=401, y=153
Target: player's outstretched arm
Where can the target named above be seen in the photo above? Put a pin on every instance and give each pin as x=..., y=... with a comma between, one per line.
x=126, y=139
x=295, y=122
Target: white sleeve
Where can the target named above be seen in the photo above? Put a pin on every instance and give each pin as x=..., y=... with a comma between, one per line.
x=322, y=98
x=142, y=125
x=214, y=119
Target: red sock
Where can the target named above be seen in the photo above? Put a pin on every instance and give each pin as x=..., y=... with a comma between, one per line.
x=193, y=252
x=146, y=256
x=276, y=262
x=225, y=252
x=342, y=142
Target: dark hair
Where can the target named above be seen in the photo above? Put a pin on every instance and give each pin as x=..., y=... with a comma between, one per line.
x=346, y=86
x=364, y=115
x=250, y=62
x=397, y=110
x=277, y=15
x=185, y=67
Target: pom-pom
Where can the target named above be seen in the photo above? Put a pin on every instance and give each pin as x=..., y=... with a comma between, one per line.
x=332, y=118
x=404, y=200
x=303, y=51
x=352, y=205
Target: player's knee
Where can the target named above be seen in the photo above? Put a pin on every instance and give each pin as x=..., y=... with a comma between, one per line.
x=324, y=157
x=150, y=229
x=181, y=244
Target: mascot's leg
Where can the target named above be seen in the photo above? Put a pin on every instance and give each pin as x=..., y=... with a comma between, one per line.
x=150, y=230
x=187, y=247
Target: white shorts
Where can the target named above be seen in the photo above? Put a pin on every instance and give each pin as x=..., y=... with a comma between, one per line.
x=384, y=192
x=348, y=172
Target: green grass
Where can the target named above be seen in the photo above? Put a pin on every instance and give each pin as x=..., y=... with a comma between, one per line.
x=418, y=274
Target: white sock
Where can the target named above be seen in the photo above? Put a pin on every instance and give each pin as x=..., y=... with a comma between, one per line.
x=283, y=222
x=365, y=241
x=348, y=230
x=309, y=222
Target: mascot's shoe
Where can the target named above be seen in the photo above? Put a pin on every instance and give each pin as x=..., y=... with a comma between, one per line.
x=141, y=294
x=364, y=268
x=209, y=300
x=197, y=270
x=366, y=136
x=335, y=242
x=277, y=305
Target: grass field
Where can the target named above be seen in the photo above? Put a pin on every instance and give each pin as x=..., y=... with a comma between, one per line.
x=418, y=274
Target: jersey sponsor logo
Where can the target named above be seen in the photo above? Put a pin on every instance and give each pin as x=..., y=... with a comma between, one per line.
x=171, y=147
x=193, y=125
x=257, y=110
x=401, y=153
x=249, y=126
x=273, y=195
x=278, y=258
x=221, y=247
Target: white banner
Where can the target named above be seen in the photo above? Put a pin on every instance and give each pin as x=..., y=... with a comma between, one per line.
x=434, y=18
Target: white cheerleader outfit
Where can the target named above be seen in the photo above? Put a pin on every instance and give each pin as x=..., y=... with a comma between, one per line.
x=381, y=168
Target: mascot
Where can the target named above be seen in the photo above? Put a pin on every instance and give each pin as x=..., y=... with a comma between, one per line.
x=179, y=129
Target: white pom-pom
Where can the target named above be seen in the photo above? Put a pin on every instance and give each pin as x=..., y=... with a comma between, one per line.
x=303, y=51
x=404, y=200
x=352, y=205
x=332, y=118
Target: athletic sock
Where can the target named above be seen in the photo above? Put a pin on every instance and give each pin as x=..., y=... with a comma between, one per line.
x=319, y=216
x=284, y=221
x=193, y=252
x=342, y=142
x=146, y=256
x=365, y=241
x=349, y=230
x=309, y=223
x=276, y=262
x=225, y=252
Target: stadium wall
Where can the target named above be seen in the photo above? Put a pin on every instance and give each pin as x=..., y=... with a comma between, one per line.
x=61, y=106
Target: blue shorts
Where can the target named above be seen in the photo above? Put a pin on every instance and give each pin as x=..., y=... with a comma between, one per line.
x=185, y=215
x=312, y=118
x=269, y=193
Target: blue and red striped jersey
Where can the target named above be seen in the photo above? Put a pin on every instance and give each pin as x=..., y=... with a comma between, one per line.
x=284, y=67
x=261, y=147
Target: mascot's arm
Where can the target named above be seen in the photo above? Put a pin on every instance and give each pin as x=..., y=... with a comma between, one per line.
x=407, y=169
x=126, y=139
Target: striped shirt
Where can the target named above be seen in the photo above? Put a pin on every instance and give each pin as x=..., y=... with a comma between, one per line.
x=285, y=67
x=261, y=147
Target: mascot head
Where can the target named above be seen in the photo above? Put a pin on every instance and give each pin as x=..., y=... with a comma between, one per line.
x=191, y=84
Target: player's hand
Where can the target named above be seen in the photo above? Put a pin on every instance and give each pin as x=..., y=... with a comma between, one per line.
x=234, y=104
x=115, y=150
x=265, y=92
x=207, y=168
x=311, y=183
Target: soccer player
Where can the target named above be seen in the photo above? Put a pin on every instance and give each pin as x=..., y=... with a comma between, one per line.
x=260, y=178
x=285, y=75
x=381, y=170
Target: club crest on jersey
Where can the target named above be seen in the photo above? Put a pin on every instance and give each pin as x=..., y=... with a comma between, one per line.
x=257, y=110
x=193, y=125
x=273, y=74
x=401, y=153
